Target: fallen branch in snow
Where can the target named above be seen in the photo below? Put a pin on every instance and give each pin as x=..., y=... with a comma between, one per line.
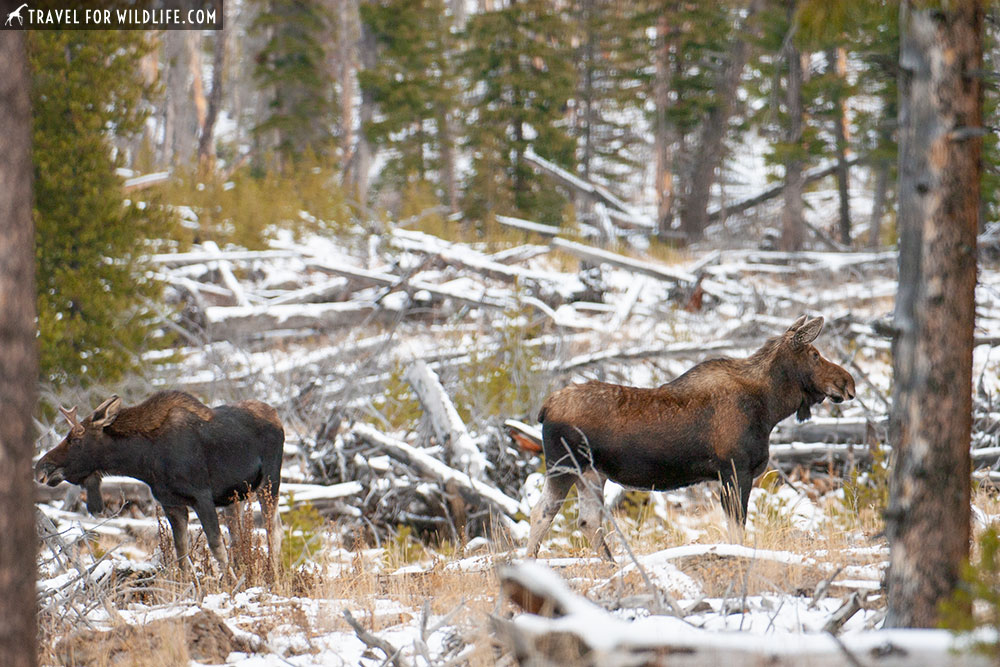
x=392, y=654
x=464, y=257
x=203, y=257
x=440, y=471
x=444, y=419
x=770, y=193
x=239, y=322
x=394, y=282
x=844, y=614
x=599, y=256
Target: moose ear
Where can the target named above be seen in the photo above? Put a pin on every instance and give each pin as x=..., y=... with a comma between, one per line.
x=798, y=323
x=808, y=332
x=106, y=412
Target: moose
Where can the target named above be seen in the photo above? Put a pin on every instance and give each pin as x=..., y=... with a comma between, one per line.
x=711, y=423
x=189, y=454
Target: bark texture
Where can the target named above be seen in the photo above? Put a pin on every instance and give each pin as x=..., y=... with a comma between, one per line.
x=939, y=174
x=18, y=360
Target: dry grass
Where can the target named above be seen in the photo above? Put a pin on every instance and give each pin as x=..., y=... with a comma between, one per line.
x=383, y=590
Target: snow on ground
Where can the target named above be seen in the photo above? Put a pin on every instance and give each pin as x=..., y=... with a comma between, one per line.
x=762, y=595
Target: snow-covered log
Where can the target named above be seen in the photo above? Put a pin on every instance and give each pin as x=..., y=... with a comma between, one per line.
x=438, y=470
x=528, y=225
x=226, y=271
x=561, y=627
x=822, y=171
x=205, y=256
x=599, y=256
x=448, y=426
x=382, y=279
x=463, y=257
x=238, y=322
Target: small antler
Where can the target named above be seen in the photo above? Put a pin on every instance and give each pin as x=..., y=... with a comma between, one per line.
x=70, y=415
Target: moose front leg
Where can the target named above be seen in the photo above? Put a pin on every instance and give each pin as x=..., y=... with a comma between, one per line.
x=92, y=485
x=736, y=485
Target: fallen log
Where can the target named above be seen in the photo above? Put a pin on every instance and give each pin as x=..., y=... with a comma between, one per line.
x=444, y=419
x=599, y=256
x=528, y=226
x=382, y=279
x=463, y=257
x=428, y=465
x=770, y=193
x=237, y=322
x=204, y=257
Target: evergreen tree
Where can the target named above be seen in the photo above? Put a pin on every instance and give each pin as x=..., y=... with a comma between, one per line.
x=611, y=74
x=413, y=87
x=92, y=290
x=522, y=78
x=291, y=67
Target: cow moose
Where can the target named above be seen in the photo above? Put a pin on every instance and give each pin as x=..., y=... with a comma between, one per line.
x=711, y=423
x=189, y=454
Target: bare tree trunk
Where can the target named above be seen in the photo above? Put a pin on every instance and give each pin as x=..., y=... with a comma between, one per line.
x=878, y=204
x=792, y=215
x=837, y=64
x=206, y=152
x=711, y=138
x=18, y=361
x=449, y=180
x=363, y=153
x=940, y=130
x=664, y=135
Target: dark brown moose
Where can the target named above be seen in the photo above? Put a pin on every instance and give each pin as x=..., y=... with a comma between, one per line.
x=711, y=423
x=190, y=455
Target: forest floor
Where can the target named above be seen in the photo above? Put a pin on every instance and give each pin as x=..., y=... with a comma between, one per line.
x=369, y=583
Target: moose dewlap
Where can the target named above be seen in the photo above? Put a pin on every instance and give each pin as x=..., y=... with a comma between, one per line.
x=711, y=423
x=189, y=454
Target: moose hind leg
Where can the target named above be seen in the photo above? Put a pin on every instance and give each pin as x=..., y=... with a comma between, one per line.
x=553, y=494
x=205, y=509
x=268, y=498
x=177, y=515
x=590, y=488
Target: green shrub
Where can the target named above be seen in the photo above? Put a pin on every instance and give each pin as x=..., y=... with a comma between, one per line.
x=976, y=601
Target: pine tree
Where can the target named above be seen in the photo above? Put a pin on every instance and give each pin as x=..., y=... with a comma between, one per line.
x=413, y=86
x=611, y=75
x=92, y=291
x=522, y=78
x=291, y=68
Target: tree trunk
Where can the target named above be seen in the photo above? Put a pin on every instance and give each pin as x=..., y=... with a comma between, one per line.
x=792, y=215
x=940, y=130
x=711, y=138
x=18, y=360
x=878, y=204
x=664, y=135
x=837, y=64
x=206, y=152
x=363, y=153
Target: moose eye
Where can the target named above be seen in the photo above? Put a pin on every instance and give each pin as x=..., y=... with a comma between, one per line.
x=815, y=354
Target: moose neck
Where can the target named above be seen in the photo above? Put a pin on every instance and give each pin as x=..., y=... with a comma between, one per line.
x=784, y=391
x=127, y=456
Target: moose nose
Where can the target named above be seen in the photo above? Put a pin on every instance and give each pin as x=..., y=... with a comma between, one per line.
x=46, y=473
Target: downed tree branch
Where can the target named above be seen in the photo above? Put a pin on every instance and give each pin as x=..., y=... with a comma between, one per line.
x=444, y=419
x=442, y=472
x=392, y=654
x=381, y=279
x=774, y=191
x=597, y=255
